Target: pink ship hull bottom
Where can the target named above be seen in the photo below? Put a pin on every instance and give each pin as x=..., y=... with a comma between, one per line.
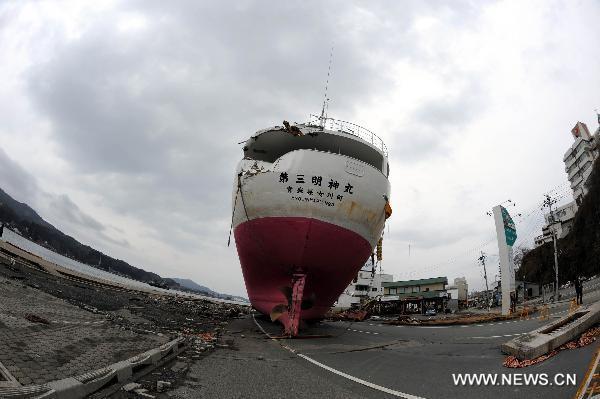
x=272, y=249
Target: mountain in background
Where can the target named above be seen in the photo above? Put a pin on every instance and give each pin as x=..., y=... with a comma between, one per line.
x=21, y=211
x=19, y=216
x=193, y=286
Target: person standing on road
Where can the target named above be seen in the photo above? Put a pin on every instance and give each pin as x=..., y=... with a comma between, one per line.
x=579, y=290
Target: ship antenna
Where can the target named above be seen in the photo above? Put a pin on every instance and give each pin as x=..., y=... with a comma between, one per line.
x=325, y=107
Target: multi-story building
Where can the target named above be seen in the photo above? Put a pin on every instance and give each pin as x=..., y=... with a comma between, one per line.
x=416, y=296
x=579, y=159
x=368, y=284
x=560, y=222
x=458, y=294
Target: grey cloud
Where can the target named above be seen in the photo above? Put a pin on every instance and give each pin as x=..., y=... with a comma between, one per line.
x=151, y=119
x=70, y=212
x=17, y=182
x=429, y=237
x=23, y=187
x=436, y=122
x=66, y=213
x=454, y=110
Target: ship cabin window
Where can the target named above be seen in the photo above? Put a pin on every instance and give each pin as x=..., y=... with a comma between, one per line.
x=270, y=145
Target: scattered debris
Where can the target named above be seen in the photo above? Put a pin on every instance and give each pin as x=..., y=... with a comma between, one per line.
x=586, y=338
x=293, y=130
x=161, y=386
x=36, y=319
x=200, y=321
x=143, y=393
x=457, y=319
x=350, y=315
x=179, y=367
x=131, y=386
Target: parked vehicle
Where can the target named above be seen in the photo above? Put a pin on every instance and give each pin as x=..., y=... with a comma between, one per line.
x=430, y=312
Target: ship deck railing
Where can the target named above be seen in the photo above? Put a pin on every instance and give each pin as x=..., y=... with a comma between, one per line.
x=349, y=128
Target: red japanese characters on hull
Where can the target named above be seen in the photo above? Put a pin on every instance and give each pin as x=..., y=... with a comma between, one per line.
x=309, y=205
x=272, y=249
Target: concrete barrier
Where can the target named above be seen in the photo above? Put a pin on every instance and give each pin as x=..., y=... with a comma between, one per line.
x=550, y=336
x=85, y=384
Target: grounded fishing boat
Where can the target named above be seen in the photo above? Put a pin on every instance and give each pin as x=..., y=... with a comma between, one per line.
x=309, y=205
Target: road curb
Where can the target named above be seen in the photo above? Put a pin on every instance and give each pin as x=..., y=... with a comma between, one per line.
x=85, y=384
x=552, y=335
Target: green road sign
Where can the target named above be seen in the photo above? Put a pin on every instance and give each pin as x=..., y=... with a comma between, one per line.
x=510, y=231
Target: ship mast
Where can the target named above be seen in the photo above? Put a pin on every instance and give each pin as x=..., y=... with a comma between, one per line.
x=325, y=107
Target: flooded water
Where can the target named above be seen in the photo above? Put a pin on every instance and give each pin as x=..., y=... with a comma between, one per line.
x=71, y=264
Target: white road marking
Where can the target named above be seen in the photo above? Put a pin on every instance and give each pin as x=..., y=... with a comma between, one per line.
x=497, y=336
x=360, y=331
x=340, y=373
x=360, y=381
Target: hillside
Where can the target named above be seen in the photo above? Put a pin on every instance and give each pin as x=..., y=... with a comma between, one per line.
x=32, y=226
x=20, y=210
x=193, y=286
x=579, y=251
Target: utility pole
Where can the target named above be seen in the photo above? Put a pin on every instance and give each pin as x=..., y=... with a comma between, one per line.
x=487, y=289
x=548, y=202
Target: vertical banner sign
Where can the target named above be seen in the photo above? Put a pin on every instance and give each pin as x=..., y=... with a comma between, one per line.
x=507, y=235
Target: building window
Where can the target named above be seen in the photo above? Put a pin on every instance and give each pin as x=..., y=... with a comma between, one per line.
x=374, y=289
x=392, y=291
x=426, y=289
x=401, y=290
x=416, y=288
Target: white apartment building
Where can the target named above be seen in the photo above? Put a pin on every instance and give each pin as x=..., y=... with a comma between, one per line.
x=579, y=159
x=366, y=285
x=561, y=222
x=578, y=165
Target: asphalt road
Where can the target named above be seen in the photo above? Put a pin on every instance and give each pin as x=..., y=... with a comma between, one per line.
x=404, y=361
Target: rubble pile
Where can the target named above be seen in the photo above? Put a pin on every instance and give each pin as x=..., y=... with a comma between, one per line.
x=462, y=319
x=348, y=315
x=131, y=310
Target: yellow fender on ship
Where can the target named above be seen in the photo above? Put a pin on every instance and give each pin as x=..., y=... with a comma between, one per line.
x=387, y=209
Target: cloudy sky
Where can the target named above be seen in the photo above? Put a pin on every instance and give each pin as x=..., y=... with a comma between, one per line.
x=119, y=121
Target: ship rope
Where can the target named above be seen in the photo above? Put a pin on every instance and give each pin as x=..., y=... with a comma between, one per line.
x=233, y=213
x=254, y=237
x=241, y=191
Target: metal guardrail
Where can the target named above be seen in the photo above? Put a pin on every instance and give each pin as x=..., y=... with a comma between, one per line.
x=349, y=128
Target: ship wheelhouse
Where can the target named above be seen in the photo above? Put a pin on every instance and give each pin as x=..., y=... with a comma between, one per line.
x=327, y=135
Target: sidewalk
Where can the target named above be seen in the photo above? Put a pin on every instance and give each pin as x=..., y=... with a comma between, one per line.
x=44, y=338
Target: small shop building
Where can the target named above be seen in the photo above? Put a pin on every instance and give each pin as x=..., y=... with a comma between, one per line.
x=416, y=296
